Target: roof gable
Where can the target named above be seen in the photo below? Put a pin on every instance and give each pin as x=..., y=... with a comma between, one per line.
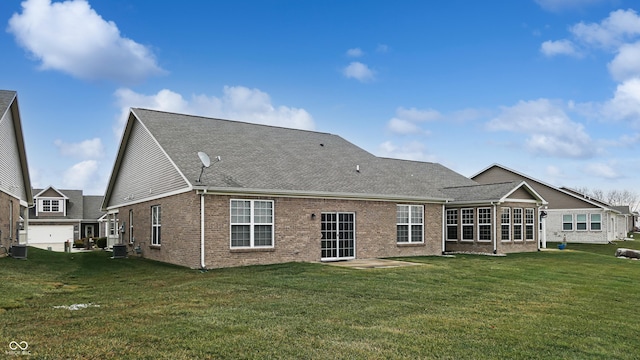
x=14, y=171
x=556, y=197
x=50, y=192
x=493, y=193
x=143, y=170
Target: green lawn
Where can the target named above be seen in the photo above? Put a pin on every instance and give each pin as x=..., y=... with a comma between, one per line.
x=579, y=303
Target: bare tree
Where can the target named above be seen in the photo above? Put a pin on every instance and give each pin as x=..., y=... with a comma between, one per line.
x=614, y=197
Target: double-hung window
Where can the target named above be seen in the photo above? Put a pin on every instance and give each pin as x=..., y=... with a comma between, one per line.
x=251, y=223
x=46, y=205
x=581, y=222
x=596, y=222
x=484, y=224
x=410, y=223
x=155, y=225
x=567, y=222
x=467, y=224
x=452, y=224
x=505, y=224
x=528, y=221
x=517, y=224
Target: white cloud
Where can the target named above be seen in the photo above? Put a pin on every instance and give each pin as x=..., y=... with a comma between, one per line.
x=406, y=120
x=355, y=52
x=601, y=170
x=618, y=27
x=625, y=104
x=560, y=47
x=417, y=115
x=548, y=128
x=236, y=103
x=626, y=63
x=71, y=37
x=359, y=71
x=382, y=48
x=410, y=151
x=554, y=172
x=81, y=175
x=403, y=127
x=560, y=5
x=87, y=149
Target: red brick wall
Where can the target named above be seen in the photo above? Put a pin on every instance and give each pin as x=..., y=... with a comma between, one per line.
x=297, y=235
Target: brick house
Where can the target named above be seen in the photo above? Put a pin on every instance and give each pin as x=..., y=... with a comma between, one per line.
x=15, y=183
x=278, y=195
x=569, y=214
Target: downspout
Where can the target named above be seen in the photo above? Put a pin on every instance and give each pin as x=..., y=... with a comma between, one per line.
x=444, y=216
x=202, y=263
x=495, y=228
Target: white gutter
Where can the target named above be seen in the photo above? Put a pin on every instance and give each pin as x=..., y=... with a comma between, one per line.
x=202, y=263
x=495, y=228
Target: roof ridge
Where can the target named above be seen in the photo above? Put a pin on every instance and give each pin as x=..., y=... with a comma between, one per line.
x=233, y=121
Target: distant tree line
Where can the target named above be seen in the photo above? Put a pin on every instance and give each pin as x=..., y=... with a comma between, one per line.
x=614, y=197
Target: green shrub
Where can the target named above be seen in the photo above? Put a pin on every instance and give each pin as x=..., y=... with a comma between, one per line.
x=78, y=243
x=101, y=242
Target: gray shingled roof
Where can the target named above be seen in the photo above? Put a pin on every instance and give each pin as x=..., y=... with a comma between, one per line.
x=260, y=157
x=481, y=192
x=6, y=97
x=92, y=207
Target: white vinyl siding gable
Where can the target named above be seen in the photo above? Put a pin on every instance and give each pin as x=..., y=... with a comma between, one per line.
x=145, y=171
x=11, y=181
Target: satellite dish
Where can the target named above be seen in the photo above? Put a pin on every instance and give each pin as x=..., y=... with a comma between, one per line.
x=206, y=162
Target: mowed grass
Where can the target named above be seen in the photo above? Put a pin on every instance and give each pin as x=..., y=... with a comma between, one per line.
x=579, y=303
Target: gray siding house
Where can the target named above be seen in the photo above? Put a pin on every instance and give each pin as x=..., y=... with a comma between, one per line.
x=63, y=215
x=15, y=183
x=278, y=195
x=569, y=215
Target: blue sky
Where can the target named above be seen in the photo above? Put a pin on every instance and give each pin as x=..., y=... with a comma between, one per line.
x=550, y=88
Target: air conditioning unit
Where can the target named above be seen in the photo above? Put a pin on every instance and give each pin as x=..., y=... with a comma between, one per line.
x=18, y=251
x=119, y=251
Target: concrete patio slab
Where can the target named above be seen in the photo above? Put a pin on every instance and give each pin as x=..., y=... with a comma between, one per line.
x=371, y=263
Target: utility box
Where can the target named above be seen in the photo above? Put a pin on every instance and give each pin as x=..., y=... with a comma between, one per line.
x=119, y=251
x=18, y=251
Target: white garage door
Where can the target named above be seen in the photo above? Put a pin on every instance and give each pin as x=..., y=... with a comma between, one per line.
x=53, y=236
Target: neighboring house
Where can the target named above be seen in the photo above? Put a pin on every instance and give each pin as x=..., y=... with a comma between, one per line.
x=280, y=195
x=63, y=215
x=568, y=215
x=15, y=183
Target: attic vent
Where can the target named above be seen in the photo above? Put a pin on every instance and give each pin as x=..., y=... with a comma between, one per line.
x=321, y=144
x=357, y=168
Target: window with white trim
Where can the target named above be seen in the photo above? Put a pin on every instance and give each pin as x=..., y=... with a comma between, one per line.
x=567, y=222
x=484, y=224
x=517, y=224
x=505, y=224
x=452, y=224
x=156, y=219
x=49, y=205
x=410, y=223
x=55, y=205
x=251, y=223
x=581, y=222
x=528, y=221
x=467, y=224
x=596, y=222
